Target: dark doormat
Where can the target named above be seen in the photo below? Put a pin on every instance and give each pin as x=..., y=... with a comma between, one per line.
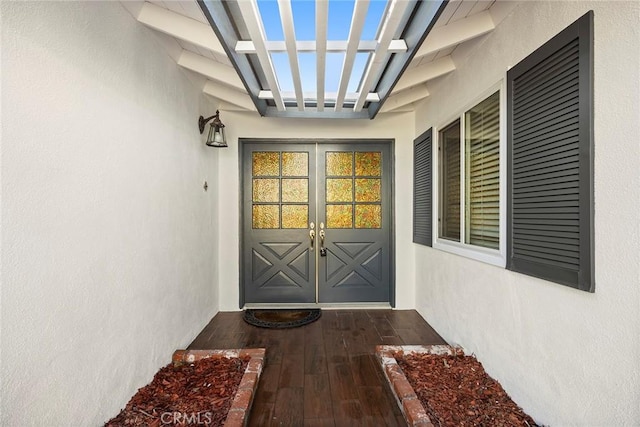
x=281, y=319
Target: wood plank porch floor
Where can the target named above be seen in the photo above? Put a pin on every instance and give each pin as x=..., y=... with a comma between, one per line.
x=324, y=373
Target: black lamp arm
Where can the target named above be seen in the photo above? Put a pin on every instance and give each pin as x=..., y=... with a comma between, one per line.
x=202, y=121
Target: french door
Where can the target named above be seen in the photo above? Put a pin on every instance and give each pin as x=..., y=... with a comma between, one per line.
x=316, y=222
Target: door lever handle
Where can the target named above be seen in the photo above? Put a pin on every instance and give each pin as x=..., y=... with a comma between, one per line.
x=323, y=251
x=312, y=237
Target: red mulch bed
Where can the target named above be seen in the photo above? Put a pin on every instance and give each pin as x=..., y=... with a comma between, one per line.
x=456, y=391
x=198, y=393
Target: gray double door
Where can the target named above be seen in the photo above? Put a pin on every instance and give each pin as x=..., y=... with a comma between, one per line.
x=316, y=222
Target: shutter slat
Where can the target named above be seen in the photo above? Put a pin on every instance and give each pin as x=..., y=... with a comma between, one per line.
x=548, y=259
x=546, y=66
x=562, y=88
x=533, y=168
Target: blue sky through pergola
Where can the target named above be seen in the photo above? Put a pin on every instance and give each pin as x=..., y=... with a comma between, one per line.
x=339, y=23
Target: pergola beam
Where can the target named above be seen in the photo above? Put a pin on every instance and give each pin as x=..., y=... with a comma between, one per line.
x=311, y=46
x=355, y=32
x=393, y=19
x=322, y=19
x=180, y=27
x=423, y=73
x=404, y=98
x=286, y=16
x=210, y=69
x=457, y=32
x=329, y=96
x=227, y=94
x=251, y=16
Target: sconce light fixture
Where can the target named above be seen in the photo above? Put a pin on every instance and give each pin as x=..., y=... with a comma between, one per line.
x=216, y=136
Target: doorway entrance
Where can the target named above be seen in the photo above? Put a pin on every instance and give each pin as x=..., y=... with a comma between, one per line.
x=316, y=222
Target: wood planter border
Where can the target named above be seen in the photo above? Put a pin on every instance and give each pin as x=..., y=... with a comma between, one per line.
x=411, y=407
x=238, y=415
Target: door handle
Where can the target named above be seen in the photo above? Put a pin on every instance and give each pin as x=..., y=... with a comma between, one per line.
x=312, y=234
x=323, y=251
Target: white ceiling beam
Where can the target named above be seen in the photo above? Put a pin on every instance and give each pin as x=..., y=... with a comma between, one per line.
x=180, y=27
x=403, y=98
x=329, y=96
x=251, y=16
x=211, y=69
x=227, y=94
x=393, y=19
x=322, y=19
x=247, y=46
x=457, y=32
x=357, y=23
x=286, y=16
x=426, y=72
x=227, y=106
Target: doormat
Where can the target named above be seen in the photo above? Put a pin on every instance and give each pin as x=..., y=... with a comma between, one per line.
x=281, y=319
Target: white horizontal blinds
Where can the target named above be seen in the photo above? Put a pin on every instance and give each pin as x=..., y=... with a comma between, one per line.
x=482, y=172
x=450, y=152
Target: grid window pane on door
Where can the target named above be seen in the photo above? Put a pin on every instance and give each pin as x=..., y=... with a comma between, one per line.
x=280, y=184
x=482, y=174
x=450, y=177
x=353, y=189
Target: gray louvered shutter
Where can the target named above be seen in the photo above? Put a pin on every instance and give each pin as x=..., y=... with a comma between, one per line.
x=550, y=179
x=422, y=200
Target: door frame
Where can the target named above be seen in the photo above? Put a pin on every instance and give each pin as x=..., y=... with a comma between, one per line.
x=243, y=142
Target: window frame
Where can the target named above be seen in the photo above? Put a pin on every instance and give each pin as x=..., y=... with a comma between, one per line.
x=497, y=257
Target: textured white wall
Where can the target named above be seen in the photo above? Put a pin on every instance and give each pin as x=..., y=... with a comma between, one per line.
x=246, y=125
x=108, y=238
x=568, y=357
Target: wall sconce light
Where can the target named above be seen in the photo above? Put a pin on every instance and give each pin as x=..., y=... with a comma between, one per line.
x=216, y=136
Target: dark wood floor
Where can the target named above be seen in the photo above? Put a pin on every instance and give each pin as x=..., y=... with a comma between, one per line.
x=324, y=373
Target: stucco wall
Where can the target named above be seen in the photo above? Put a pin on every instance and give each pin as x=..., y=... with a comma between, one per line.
x=108, y=238
x=568, y=357
x=247, y=125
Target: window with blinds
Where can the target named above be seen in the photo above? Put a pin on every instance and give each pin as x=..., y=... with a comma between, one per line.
x=470, y=184
x=482, y=173
x=450, y=179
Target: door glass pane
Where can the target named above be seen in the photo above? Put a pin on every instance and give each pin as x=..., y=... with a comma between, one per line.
x=295, y=164
x=339, y=190
x=266, y=190
x=339, y=164
x=339, y=216
x=295, y=216
x=295, y=190
x=266, y=216
x=368, y=190
x=368, y=216
x=368, y=163
x=266, y=163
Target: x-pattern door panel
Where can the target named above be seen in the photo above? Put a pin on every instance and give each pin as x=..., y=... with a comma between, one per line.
x=317, y=220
